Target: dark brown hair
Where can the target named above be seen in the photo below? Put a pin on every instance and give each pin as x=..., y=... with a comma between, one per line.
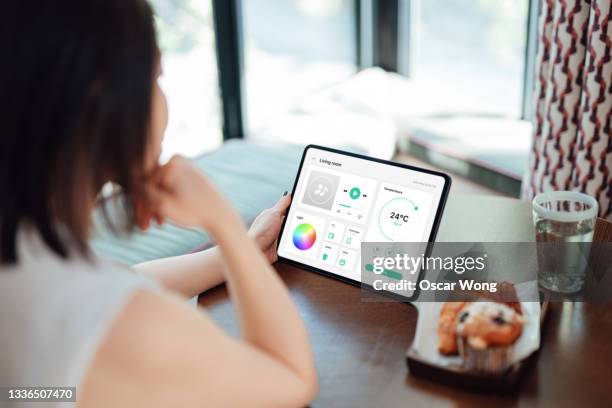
x=76, y=80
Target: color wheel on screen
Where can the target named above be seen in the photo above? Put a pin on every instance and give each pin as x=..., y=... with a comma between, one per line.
x=304, y=236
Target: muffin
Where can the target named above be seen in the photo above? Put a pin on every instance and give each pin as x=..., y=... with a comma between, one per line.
x=486, y=333
x=447, y=328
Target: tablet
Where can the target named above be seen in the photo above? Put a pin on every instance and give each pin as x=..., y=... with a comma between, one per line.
x=342, y=199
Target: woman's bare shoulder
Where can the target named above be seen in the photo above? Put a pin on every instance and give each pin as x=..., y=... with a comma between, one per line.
x=150, y=353
x=161, y=351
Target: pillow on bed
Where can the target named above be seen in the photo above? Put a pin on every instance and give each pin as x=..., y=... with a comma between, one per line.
x=253, y=176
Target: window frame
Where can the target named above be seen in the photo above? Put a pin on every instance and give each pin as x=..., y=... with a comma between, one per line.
x=229, y=42
x=383, y=29
x=403, y=11
x=227, y=17
x=531, y=49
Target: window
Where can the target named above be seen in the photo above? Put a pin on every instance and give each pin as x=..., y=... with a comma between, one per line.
x=293, y=48
x=469, y=54
x=187, y=40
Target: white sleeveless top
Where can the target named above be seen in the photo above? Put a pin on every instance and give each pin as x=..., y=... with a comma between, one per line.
x=54, y=313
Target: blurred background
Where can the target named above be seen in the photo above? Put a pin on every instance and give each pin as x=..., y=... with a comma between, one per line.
x=444, y=82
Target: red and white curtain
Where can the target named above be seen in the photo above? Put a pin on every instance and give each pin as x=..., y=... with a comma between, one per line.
x=572, y=143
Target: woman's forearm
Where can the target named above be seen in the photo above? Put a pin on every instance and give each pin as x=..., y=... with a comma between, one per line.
x=267, y=316
x=188, y=275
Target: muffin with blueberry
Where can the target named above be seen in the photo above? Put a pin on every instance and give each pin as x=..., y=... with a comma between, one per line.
x=486, y=333
x=450, y=311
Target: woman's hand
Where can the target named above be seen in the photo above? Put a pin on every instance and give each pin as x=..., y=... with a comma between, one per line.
x=180, y=192
x=267, y=225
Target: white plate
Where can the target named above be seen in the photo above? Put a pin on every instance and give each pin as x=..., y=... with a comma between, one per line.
x=425, y=342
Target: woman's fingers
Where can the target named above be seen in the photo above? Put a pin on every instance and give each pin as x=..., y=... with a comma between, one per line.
x=142, y=213
x=156, y=198
x=282, y=204
x=180, y=192
x=159, y=200
x=175, y=190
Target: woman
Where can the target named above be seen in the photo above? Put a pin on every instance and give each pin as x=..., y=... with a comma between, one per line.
x=80, y=106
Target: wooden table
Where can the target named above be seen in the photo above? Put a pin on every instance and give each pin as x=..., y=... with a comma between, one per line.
x=360, y=346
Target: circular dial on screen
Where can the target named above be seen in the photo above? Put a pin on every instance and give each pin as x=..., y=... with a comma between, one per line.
x=304, y=236
x=396, y=217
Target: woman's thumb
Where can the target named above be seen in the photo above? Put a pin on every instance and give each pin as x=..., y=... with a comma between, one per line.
x=283, y=203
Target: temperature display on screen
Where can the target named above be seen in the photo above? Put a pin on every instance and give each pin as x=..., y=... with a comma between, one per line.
x=399, y=217
x=401, y=214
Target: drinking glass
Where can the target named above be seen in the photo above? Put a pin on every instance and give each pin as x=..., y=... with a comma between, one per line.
x=564, y=224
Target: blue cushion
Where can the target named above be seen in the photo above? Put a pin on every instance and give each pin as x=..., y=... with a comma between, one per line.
x=252, y=176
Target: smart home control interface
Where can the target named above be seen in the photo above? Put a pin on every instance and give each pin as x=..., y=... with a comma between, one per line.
x=341, y=200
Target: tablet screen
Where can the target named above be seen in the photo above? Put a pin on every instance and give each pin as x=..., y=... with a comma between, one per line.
x=341, y=199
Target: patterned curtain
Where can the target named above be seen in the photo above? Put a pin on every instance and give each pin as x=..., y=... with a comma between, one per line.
x=572, y=142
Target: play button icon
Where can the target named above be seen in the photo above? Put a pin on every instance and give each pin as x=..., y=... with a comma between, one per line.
x=355, y=193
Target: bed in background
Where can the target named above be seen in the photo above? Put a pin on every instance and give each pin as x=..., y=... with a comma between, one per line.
x=253, y=176
x=352, y=115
